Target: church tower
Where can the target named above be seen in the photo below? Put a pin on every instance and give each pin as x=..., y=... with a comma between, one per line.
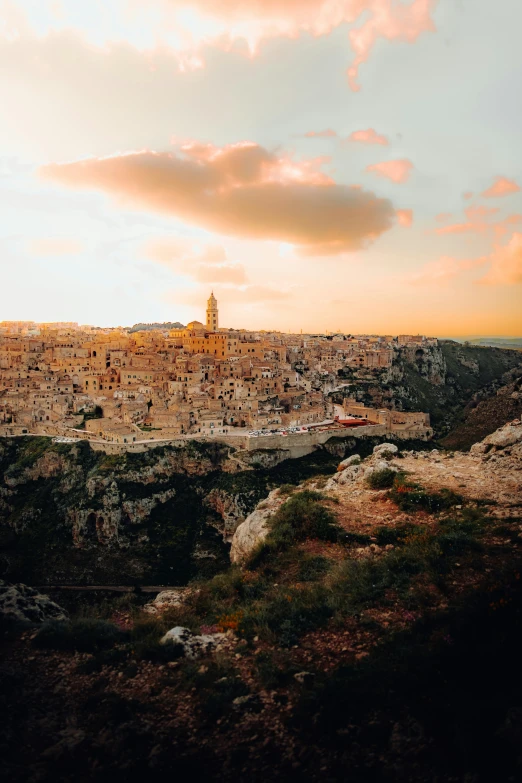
x=212, y=314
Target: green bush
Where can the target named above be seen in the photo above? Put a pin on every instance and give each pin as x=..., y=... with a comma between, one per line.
x=82, y=635
x=394, y=535
x=287, y=489
x=359, y=539
x=381, y=479
x=412, y=497
x=302, y=517
x=287, y=614
x=312, y=568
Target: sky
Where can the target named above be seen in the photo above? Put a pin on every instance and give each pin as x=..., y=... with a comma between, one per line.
x=320, y=165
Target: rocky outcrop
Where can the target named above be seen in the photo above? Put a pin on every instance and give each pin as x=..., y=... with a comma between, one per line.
x=191, y=645
x=232, y=508
x=428, y=361
x=113, y=522
x=337, y=447
x=264, y=458
x=386, y=450
x=486, y=413
x=508, y=435
x=168, y=599
x=22, y=604
x=255, y=528
x=355, y=459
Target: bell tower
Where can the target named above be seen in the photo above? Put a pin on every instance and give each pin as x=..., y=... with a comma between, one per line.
x=212, y=314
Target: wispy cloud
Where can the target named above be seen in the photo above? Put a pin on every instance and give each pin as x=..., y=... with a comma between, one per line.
x=369, y=136
x=502, y=186
x=397, y=171
x=444, y=270
x=506, y=263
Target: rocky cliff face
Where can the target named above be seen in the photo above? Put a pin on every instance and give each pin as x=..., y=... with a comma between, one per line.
x=69, y=514
x=442, y=380
x=484, y=414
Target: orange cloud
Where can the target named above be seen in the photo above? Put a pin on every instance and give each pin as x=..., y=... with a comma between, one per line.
x=506, y=264
x=476, y=223
x=501, y=187
x=445, y=269
x=54, y=246
x=442, y=217
x=324, y=134
x=188, y=26
x=397, y=171
x=405, y=217
x=368, y=137
x=467, y=195
x=391, y=20
x=239, y=190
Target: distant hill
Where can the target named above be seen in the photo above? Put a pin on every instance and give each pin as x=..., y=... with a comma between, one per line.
x=149, y=327
x=494, y=342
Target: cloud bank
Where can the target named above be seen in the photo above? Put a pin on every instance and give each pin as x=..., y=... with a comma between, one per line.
x=188, y=26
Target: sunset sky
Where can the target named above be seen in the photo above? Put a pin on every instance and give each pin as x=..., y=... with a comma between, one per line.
x=319, y=164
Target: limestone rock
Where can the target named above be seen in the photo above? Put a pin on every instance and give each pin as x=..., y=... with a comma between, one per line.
x=505, y=436
x=355, y=459
x=254, y=529
x=349, y=475
x=167, y=599
x=231, y=507
x=479, y=448
x=193, y=645
x=22, y=604
x=385, y=449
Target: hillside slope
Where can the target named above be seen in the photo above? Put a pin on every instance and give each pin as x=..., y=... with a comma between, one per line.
x=371, y=635
x=484, y=416
x=70, y=515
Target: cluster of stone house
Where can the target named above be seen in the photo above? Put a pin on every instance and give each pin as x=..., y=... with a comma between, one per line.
x=200, y=380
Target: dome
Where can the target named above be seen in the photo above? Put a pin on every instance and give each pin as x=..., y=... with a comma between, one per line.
x=195, y=325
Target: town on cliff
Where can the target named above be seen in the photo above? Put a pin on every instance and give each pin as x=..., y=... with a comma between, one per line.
x=132, y=387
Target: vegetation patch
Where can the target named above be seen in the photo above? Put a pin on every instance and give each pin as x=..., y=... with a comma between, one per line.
x=303, y=516
x=381, y=479
x=412, y=497
x=84, y=635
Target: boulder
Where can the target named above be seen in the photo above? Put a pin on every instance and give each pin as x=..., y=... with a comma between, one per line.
x=22, y=604
x=167, y=599
x=355, y=459
x=385, y=449
x=255, y=527
x=479, y=448
x=193, y=645
x=505, y=436
x=349, y=474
